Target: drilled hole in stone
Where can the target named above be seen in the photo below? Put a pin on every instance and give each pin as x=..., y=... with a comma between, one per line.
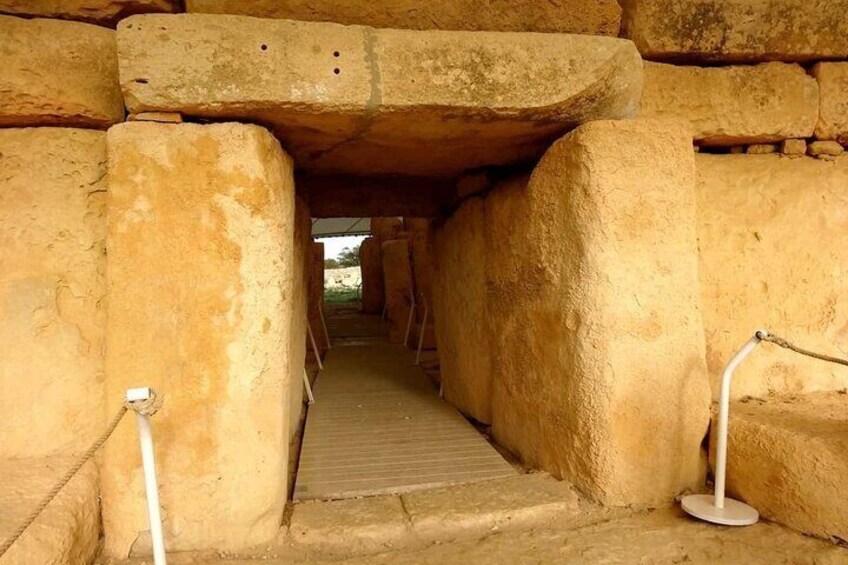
x=337, y=71
x=263, y=47
x=141, y=80
x=336, y=54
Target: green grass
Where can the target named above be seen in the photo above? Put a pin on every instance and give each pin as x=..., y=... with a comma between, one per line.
x=340, y=295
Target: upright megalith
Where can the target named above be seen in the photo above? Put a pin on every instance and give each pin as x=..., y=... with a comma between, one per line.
x=344, y=98
x=52, y=287
x=734, y=105
x=301, y=246
x=596, y=332
x=371, y=266
x=737, y=30
x=200, y=303
x=386, y=227
x=315, y=297
x=397, y=274
x=58, y=73
x=462, y=320
x=833, y=115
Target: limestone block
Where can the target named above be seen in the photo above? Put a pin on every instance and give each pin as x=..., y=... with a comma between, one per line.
x=422, y=266
x=772, y=236
x=461, y=307
x=200, y=303
x=68, y=530
x=344, y=97
x=600, y=17
x=397, y=277
x=52, y=317
x=104, y=12
x=827, y=150
x=58, y=73
x=301, y=245
x=315, y=296
x=371, y=265
x=833, y=114
x=761, y=149
x=597, y=338
x=385, y=228
x=737, y=30
x=795, y=147
x=734, y=105
x=786, y=457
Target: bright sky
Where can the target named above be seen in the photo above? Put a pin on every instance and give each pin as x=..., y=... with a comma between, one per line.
x=334, y=245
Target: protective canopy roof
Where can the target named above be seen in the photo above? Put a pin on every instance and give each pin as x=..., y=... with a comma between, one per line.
x=340, y=227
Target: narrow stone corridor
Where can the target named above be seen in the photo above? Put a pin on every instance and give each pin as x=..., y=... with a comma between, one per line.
x=378, y=426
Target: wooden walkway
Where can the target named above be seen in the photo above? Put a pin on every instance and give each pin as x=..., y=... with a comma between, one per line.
x=378, y=426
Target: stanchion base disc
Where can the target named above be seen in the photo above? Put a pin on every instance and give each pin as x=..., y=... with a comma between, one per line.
x=734, y=513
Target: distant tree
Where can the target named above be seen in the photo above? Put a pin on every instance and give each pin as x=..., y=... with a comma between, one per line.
x=331, y=264
x=349, y=257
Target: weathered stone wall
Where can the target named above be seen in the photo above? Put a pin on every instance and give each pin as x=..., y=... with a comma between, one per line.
x=58, y=73
x=52, y=235
x=200, y=228
x=103, y=12
x=734, y=105
x=462, y=310
x=833, y=86
x=315, y=298
x=772, y=235
x=371, y=265
x=737, y=30
x=596, y=329
x=571, y=16
x=386, y=228
x=397, y=277
x=302, y=244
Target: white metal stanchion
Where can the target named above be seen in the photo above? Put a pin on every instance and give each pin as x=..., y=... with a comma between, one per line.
x=148, y=461
x=409, y=320
x=716, y=508
x=324, y=324
x=314, y=346
x=308, y=387
x=421, y=336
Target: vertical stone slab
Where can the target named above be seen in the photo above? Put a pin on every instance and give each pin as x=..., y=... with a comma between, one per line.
x=833, y=114
x=598, y=345
x=52, y=318
x=459, y=293
x=371, y=266
x=200, y=304
x=397, y=273
x=386, y=228
x=422, y=264
x=58, y=73
x=315, y=296
x=300, y=282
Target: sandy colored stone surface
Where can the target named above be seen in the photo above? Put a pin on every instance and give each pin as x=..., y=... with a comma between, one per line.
x=385, y=228
x=461, y=307
x=104, y=12
x=471, y=98
x=397, y=279
x=52, y=233
x=736, y=104
x=478, y=509
x=301, y=245
x=599, y=17
x=833, y=86
x=597, y=338
x=787, y=458
x=423, y=267
x=200, y=227
x=737, y=30
x=794, y=147
x=58, y=74
x=315, y=296
x=827, y=150
x=371, y=266
x=772, y=237
x=68, y=530
x=359, y=525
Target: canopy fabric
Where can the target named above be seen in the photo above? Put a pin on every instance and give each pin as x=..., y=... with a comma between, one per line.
x=340, y=227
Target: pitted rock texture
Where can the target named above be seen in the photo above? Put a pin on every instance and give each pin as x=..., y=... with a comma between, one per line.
x=736, y=104
x=343, y=98
x=595, y=313
x=200, y=304
x=737, y=30
x=599, y=17
x=833, y=114
x=461, y=308
x=772, y=236
x=302, y=243
x=52, y=287
x=58, y=73
x=397, y=278
x=786, y=457
x=103, y=12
